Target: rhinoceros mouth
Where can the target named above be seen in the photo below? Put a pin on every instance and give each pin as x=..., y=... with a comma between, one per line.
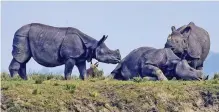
x=114, y=61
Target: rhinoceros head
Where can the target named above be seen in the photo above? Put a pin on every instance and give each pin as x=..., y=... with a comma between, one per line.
x=184, y=71
x=177, y=40
x=104, y=54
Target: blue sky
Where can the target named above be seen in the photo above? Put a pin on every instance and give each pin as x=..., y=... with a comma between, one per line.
x=129, y=25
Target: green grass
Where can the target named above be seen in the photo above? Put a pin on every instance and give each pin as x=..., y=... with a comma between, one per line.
x=104, y=94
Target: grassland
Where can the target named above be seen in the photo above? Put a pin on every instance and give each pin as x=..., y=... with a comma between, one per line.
x=52, y=94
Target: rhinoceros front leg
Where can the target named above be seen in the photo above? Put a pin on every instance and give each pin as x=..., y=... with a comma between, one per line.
x=194, y=63
x=82, y=69
x=153, y=70
x=199, y=65
x=69, y=65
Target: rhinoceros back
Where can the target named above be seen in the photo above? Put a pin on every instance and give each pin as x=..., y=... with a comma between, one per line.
x=45, y=42
x=21, y=51
x=130, y=64
x=199, y=40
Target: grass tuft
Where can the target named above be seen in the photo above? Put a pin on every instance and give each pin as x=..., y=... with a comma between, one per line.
x=70, y=87
x=35, y=91
x=39, y=81
x=137, y=79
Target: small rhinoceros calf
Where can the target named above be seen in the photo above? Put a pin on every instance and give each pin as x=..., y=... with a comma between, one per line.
x=155, y=64
x=54, y=46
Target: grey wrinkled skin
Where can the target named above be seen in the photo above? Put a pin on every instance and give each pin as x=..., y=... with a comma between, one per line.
x=190, y=42
x=54, y=46
x=155, y=64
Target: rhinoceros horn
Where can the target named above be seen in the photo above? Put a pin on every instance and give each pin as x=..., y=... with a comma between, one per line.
x=102, y=40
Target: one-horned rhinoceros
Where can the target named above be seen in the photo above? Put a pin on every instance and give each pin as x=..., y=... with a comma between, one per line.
x=53, y=46
x=158, y=64
x=190, y=42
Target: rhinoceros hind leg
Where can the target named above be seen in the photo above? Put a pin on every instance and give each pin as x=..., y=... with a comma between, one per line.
x=69, y=65
x=18, y=68
x=152, y=71
x=14, y=67
x=22, y=71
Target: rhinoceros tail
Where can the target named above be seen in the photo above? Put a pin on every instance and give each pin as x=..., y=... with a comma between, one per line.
x=21, y=48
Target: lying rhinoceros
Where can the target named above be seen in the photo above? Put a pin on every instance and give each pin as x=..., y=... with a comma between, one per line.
x=55, y=46
x=190, y=42
x=159, y=64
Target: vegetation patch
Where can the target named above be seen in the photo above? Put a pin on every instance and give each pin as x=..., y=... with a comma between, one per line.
x=107, y=95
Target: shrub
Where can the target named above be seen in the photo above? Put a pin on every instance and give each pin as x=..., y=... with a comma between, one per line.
x=5, y=76
x=95, y=73
x=216, y=76
x=50, y=76
x=215, y=82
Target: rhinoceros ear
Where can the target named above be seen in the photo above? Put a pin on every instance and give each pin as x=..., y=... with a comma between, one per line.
x=191, y=23
x=173, y=28
x=102, y=40
x=186, y=31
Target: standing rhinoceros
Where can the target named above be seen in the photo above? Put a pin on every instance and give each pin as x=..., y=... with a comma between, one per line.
x=152, y=63
x=190, y=42
x=54, y=46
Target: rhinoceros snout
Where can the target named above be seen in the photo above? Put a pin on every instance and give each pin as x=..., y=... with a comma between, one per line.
x=119, y=55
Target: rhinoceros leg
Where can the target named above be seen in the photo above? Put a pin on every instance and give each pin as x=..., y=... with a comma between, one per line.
x=200, y=68
x=18, y=68
x=69, y=65
x=200, y=65
x=14, y=67
x=82, y=69
x=194, y=63
x=22, y=71
x=153, y=71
